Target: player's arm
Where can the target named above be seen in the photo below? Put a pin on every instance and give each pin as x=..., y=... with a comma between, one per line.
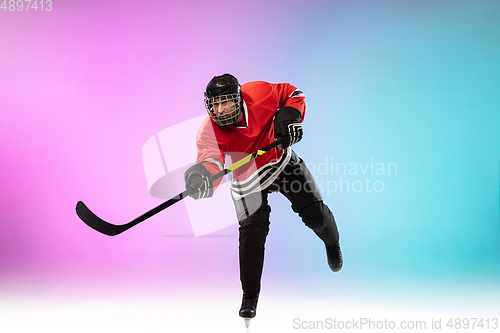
x=290, y=113
x=210, y=160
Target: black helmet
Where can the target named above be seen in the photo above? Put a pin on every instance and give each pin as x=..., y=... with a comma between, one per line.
x=222, y=85
x=223, y=99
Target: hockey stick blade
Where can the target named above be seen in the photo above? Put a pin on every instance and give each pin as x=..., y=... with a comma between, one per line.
x=98, y=224
x=95, y=222
x=110, y=229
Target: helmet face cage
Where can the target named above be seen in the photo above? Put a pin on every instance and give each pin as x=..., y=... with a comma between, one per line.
x=224, y=109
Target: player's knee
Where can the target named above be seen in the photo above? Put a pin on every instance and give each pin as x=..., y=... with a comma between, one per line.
x=254, y=229
x=317, y=216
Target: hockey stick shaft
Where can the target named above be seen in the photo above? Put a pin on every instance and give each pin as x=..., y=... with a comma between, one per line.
x=98, y=224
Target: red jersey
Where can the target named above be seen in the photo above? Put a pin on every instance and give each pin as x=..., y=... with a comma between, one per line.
x=261, y=100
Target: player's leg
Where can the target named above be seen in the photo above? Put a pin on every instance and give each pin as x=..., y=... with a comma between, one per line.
x=300, y=188
x=253, y=216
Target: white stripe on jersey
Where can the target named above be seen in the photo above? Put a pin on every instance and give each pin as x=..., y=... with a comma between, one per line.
x=245, y=115
x=266, y=173
x=219, y=164
x=297, y=93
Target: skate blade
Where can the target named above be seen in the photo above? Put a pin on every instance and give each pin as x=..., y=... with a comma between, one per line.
x=247, y=322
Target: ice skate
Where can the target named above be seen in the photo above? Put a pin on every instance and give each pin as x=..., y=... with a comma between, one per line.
x=334, y=255
x=248, y=308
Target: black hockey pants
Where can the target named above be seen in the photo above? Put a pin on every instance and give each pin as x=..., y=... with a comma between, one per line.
x=298, y=186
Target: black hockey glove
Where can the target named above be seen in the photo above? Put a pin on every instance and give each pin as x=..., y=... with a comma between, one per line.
x=287, y=126
x=199, y=177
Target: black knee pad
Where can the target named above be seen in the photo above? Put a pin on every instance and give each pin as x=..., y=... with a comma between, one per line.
x=259, y=217
x=254, y=229
x=318, y=217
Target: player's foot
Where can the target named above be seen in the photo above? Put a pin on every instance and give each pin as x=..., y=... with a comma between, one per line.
x=248, y=307
x=334, y=255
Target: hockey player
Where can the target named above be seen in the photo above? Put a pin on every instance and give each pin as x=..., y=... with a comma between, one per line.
x=241, y=120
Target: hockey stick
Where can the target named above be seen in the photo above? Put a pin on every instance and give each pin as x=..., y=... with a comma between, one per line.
x=96, y=223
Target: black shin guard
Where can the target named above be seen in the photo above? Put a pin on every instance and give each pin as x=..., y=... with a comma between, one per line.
x=319, y=218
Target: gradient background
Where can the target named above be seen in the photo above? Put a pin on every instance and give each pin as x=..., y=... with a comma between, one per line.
x=414, y=83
